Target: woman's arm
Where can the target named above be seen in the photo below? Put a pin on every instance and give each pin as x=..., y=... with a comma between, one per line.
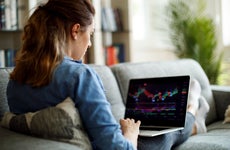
x=95, y=111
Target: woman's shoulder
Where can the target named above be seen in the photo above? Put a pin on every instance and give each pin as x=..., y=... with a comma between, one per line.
x=70, y=67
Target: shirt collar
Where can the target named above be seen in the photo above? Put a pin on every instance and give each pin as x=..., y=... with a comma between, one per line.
x=71, y=59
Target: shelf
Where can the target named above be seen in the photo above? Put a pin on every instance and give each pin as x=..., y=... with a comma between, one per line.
x=105, y=39
x=9, y=31
x=10, y=39
x=118, y=32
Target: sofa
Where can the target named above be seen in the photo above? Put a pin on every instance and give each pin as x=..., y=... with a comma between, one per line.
x=115, y=79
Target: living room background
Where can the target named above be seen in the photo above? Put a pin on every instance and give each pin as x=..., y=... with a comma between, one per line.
x=141, y=36
x=151, y=40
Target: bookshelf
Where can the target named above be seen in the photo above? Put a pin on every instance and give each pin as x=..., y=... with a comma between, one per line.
x=125, y=35
x=13, y=14
x=109, y=37
x=10, y=38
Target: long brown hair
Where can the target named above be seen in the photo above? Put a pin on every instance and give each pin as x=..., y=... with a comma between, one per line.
x=44, y=39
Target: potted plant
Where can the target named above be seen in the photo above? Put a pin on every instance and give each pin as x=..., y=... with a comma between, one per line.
x=194, y=36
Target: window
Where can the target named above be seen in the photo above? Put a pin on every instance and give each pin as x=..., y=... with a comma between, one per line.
x=225, y=10
x=148, y=22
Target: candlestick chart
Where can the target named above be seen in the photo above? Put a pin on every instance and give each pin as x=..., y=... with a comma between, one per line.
x=154, y=99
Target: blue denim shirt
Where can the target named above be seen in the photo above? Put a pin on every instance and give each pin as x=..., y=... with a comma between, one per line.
x=81, y=83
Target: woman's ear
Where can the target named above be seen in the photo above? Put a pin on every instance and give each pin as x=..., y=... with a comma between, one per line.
x=75, y=30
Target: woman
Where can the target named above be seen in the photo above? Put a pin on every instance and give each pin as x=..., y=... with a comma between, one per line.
x=49, y=69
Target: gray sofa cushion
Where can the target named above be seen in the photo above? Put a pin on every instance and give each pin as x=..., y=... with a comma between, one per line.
x=222, y=99
x=10, y=140
x=217, y=138
x=4, y=78
x=124, y=72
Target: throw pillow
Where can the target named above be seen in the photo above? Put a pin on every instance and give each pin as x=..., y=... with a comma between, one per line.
x=62, y=123
x=227, y=115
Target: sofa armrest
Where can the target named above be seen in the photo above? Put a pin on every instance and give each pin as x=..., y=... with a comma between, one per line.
x=221, y=96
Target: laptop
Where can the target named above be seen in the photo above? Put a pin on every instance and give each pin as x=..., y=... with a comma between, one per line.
x=159, y=103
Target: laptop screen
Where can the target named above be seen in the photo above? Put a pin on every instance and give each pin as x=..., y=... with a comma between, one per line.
x=158, y=101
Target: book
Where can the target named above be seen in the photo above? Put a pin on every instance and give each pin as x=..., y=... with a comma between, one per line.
x=120, y=48
x=111, y=57
x=104, y=22
x=108, y=20
x=2, y=15
x=8, y=14
x=2, y=58
x=22, y=14
x=115, y=54
x=9, y=57
x=118, y=19
x=13, y=15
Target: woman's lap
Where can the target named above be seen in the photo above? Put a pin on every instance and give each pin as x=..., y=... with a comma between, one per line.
x=169, y=140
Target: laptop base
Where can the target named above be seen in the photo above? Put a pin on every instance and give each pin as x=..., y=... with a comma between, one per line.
x=152, y=133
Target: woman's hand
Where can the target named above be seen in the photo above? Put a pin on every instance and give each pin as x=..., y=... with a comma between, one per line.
x=130, y=129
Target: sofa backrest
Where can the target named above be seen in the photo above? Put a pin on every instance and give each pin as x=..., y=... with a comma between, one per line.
x=111, y=90
x=4, y=78
x=116, y=79
x=126, y=71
